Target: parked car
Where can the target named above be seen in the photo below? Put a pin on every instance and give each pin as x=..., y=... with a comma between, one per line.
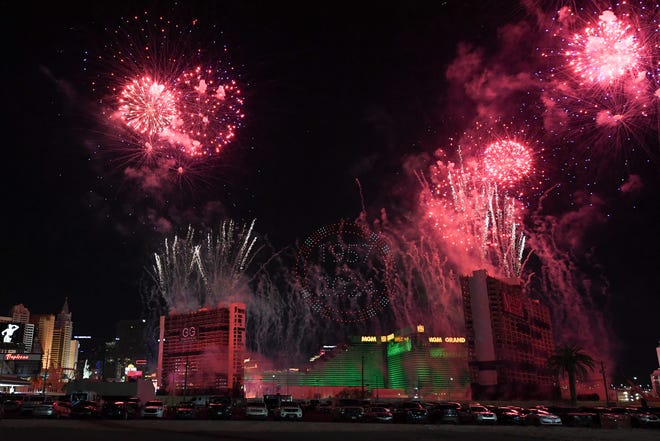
x=476, y=414
x=85, y=409
x=604, y=417
x=507, y=415
x=118, y=410
x=185, y=410
x=219, y=408
x=378, y=414
x=538, y=417
x=52, y=409
x=288, y=412
x=348, y=413
x=12, y=406
x=256, y=411
x=443, y=413
x=637, y=417
x=411, y=412
x=574, y=417
x=30, y=402
x=153, y=409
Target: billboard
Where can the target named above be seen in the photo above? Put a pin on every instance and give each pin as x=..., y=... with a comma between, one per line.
x=11, y=335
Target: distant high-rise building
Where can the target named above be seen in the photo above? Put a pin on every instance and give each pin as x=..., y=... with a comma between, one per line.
x=43, y=341
x=509, y=339
x=73, y=360
x=20, y=314
x=203, y=351
x=62, y=333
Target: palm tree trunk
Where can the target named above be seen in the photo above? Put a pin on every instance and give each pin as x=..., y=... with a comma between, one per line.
x=571, y=385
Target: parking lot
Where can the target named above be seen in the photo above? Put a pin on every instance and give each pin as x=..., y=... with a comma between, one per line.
x=201, y=430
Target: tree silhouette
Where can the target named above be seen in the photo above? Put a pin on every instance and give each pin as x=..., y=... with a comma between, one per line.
x=573, y=361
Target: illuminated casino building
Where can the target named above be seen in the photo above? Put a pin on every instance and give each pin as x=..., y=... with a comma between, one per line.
x=202, y=352
x=408, y=363
x=509, y=339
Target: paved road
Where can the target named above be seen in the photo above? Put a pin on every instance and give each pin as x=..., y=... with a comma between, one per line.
x=173, y=430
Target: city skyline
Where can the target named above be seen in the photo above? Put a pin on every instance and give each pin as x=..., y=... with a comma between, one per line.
x=347, y=117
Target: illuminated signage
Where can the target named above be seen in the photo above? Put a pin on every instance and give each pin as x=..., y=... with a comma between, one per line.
x=140, y=362
x=420, y=328
x=188, y=332
x=22, y=357
x=11, y=333
x=398, y=348
x=369, y=339
x=16, y=357
x=447, y=339
x=454, y=339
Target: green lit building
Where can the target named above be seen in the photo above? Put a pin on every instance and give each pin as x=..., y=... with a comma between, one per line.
x=408, y=363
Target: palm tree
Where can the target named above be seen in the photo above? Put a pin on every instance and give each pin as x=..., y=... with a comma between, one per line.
x=572, y=361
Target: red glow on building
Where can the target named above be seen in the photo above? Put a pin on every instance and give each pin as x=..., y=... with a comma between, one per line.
x=202, y=352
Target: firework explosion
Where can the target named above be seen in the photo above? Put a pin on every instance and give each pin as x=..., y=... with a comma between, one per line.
x=507, y=162
x=606, y=52
x=168, y=96
x=601, y=90
x=478, y=225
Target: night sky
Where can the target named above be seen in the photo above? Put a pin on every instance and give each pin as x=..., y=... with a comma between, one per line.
x=342, y=102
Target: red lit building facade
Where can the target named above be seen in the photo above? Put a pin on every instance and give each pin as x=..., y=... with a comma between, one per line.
x=202, y=352
x=509, y=339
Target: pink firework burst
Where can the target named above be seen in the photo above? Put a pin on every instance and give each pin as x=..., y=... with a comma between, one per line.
x=210, y=109
x=507, y=162
x=147, y=106
x=605, y=52
x=167, y=94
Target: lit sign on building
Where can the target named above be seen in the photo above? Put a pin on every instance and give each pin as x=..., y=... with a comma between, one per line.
x=382, y=338
x=447, y=339
x=454, y=339
x=22, y=357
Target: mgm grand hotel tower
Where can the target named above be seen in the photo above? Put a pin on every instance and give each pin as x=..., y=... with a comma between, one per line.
x=509, y=339
x=202, y=352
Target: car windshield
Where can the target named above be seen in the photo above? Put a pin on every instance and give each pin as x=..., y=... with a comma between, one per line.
x=478, y=409
x=154, y=403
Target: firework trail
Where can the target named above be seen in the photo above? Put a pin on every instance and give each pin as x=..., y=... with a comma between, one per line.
x=191, y=273
x=424, y=285
x=195, y=270
x=576, y=297
x=223, y=260
x=478, y=225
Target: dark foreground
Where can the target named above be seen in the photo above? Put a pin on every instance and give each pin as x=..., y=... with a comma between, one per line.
x=174, y=430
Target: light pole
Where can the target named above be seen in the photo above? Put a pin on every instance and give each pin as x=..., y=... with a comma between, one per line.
x=362, y=377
